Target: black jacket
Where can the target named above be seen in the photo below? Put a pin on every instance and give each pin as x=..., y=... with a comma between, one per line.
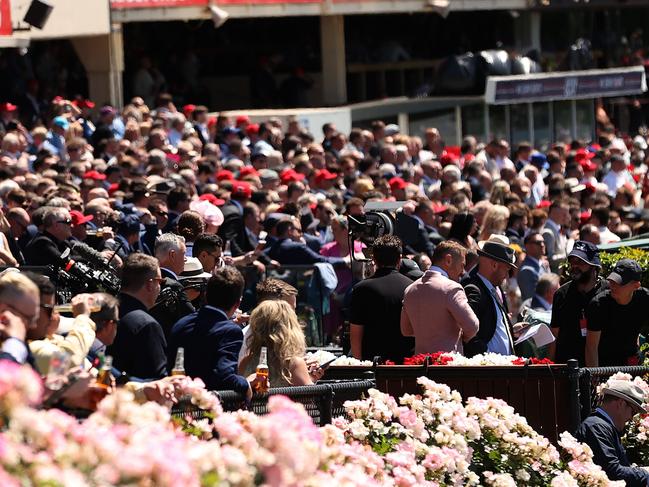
x=168, y=312
x=603, y=438
x=232, y=226
x=44, y=249
x=484, y=307
x=140, y=347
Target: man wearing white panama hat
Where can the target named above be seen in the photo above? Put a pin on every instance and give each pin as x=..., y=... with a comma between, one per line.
x=621, y=400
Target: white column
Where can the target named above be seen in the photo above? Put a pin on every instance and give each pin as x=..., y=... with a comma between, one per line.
x=103, y=58
x=334, y=69
x=527, y=31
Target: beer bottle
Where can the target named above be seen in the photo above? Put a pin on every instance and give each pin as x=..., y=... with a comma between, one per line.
x=262, y=372
x=104, y=378
x=179, y=366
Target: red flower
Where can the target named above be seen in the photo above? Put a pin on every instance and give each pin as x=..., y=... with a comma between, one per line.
x=437, y=358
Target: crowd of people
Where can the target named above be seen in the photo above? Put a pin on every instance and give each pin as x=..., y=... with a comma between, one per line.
x=193, y=211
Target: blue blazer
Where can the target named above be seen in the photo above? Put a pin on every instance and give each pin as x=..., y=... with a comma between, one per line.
x=289, y=252
x=212, y=342
x=602, y=437
x=528, y=276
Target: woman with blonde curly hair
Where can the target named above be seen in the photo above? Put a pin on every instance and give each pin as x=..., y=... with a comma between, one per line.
x=495, y=222
x=274, y=325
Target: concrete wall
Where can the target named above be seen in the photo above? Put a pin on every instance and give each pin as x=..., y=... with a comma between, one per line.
x=69, y=18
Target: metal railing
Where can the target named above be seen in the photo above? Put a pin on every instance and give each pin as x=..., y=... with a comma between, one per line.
x=591, y=377
x=322, y=401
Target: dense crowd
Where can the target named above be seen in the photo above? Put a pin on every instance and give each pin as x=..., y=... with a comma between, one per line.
x=194, y=211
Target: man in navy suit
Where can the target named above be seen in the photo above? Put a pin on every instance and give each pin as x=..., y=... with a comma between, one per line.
x=210, y=338
x=533, y=266
x=621, y=400
x=140, y=347
x=290, y=250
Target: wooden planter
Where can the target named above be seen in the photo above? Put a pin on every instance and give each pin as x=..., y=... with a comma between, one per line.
x=541, y=393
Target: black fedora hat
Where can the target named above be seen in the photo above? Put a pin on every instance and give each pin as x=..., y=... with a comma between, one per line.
x=499, y=252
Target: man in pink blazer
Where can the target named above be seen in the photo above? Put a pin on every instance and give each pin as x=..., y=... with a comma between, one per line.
x=435, y=309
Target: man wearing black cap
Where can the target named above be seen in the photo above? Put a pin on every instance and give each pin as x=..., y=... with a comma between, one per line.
x=127, y=238
x=621, y=400
x=616, y=316
x=482, y=288
x=569, y=324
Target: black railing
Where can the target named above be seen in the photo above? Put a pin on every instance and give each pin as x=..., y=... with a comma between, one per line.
x=322, y=401
x=591, y=377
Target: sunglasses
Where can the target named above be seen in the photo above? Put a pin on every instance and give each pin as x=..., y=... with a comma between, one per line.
x=48, y=308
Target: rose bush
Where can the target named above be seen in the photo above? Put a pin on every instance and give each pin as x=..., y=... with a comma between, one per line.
x=431, y=439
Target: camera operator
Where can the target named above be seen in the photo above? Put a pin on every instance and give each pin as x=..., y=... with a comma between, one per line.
x=140, y=346
x=376, y=306
x=47, y=246
x=170, y=252
x=45, y=342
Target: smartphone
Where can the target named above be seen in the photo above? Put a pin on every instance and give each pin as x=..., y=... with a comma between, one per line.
x=262, y=237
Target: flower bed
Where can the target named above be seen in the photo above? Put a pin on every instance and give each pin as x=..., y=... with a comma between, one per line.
x=429, y=440
x=458, y=360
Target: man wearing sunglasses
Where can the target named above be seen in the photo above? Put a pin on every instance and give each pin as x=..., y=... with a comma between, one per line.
x=46, y=248
x=45, y=342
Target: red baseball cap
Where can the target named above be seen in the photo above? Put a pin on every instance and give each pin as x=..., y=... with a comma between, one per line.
x=252, y=128
x=95, y=175
x=212, y=199
x=224, y=175
x=7, y=107
x=113, y=187
x=439, y=208
x=447, y=159
x=397, y=183
x=189, y=109
x=325, y=175
x=247, y=171
x=79, y=218
x=584, y=216
x=241, y=119
x=242, y=189
x=587, y=165
x=290, y=175
x=83, y=103
x=211, y=122
x=584, y=155
x=545, y=204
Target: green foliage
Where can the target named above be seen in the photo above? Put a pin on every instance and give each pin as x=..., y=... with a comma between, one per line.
x=384, y=444
x=640, y=256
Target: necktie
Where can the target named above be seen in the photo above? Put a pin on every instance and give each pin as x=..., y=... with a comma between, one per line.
x=497, y=293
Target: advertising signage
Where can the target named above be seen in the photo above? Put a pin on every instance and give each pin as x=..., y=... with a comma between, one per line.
x=570, y=85
x=127, y=4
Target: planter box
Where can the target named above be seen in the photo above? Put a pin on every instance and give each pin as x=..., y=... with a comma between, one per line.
x=541, y=393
